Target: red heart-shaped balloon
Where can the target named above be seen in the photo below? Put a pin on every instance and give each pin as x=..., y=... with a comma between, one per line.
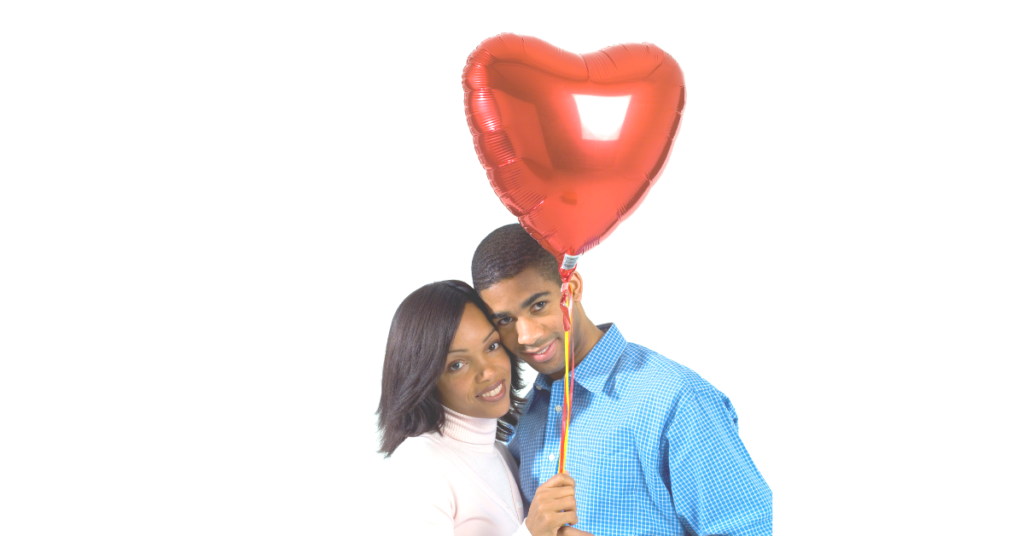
x=571, y=143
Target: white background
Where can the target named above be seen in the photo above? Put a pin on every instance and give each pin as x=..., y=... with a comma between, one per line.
x=210, y=210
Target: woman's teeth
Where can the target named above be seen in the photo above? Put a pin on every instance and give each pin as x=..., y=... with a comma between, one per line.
x=493, y=392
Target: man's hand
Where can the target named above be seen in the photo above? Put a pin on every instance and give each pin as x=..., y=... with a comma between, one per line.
x=554, y=505
x=569, y=531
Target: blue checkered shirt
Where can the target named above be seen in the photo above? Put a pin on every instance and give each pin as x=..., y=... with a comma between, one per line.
x=653, y=448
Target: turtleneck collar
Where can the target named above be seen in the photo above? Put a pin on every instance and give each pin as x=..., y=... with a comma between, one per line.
x=475, y=431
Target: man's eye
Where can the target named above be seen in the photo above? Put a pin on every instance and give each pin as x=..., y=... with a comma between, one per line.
x=494, y=346
x=505, y=320
x=539, y=305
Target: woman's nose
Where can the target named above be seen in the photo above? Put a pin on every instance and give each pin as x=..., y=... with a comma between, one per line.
x=487, y=371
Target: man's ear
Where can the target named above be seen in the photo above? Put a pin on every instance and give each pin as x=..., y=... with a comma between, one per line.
x=576, y=282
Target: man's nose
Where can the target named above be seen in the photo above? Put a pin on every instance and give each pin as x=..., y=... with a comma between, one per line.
x=529, y=331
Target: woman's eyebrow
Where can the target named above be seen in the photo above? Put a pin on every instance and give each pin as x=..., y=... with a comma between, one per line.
x=453, y=350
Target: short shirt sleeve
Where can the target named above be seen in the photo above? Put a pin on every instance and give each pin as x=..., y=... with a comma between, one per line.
x=716, y=489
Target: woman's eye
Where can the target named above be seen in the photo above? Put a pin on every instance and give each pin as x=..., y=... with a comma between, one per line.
x=456, y=366
x=493, y=347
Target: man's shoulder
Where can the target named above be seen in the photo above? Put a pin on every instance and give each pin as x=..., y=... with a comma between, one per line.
x=656, y=375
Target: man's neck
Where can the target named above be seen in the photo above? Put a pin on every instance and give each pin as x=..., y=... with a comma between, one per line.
x=589, y=335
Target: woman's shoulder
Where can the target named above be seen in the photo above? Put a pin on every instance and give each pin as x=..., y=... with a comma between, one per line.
x=421, y=456
x=418, y=475
x=420, y=449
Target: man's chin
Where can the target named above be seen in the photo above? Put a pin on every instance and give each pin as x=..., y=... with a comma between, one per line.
x=549, y=368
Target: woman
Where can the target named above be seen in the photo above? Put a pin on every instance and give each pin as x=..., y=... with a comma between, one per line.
x=447, y=397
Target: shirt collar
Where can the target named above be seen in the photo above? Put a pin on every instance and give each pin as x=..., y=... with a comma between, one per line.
x=593, y=372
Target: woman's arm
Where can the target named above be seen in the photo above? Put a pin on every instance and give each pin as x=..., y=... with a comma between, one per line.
x=421, y=497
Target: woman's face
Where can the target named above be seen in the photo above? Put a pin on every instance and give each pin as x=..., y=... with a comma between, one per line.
x=478, y=372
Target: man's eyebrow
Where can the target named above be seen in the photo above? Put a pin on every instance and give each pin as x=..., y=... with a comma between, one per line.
x=526, y=303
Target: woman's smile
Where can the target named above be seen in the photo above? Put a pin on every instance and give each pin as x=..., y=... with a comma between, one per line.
x=495, y=394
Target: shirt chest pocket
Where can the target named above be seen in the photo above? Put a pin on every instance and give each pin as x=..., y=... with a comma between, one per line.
x=610, y=459
x=608, y=478
x=611, y=437
x=605, y=448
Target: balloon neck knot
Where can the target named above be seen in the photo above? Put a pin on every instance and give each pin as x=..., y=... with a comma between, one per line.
x=569, y=262
x=566, y=313
x=566, y=271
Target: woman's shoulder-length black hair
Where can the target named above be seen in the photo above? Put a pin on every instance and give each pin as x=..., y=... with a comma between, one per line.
x=422, y=332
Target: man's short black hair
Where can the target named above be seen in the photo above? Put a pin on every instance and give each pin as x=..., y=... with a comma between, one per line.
x=506, y=252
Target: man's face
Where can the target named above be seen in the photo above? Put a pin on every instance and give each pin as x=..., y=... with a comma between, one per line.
x=529, y=319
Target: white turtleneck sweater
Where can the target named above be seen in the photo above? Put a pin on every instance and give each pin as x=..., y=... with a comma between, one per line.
x=461, y=482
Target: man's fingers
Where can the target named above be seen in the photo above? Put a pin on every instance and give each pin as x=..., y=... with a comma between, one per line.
x=566, y=504
x=570, y=531
x=551, y=494
x=566, y=518
x=555, y=501
x=560, y=479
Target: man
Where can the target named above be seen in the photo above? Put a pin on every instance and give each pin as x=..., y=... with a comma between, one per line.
x=653, y=447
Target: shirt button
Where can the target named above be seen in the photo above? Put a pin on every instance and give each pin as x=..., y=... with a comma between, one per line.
x=537, y=386
x=551, y=457
x=558, y=408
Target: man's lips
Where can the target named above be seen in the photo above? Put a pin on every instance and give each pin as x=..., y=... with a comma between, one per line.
x=494, y=392
x=545, y=354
